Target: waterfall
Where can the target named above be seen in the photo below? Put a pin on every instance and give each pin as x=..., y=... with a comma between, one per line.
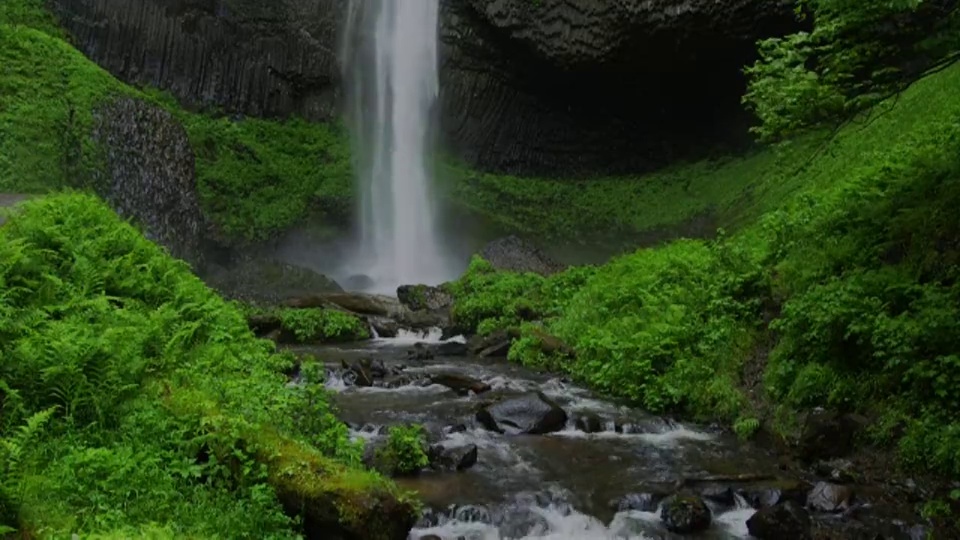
x=392, y=86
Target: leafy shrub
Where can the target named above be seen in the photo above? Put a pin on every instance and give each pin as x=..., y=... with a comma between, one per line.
x=404, y=452
x=323, y=325
x=856, y=55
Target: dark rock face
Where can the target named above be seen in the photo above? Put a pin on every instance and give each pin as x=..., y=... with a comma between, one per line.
x=263, y=280
x=418, y=297
x=248, y=56
x=533, y=414
x=150, y=171
x=787, y=520
x=563, y=87
x=516, y=255
x=827, y=497
x=826, y=435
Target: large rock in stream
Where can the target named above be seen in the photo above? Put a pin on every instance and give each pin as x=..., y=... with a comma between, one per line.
x=532, y=414
x=785, y=520
x=684, y=514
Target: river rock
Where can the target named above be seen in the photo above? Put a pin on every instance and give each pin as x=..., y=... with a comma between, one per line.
x=457, y=458
x=384, y=326
x=531, y=414
x=461, y=384
x=420, y=352
x=424, y=297
x=684, y=514
x=589, y=423
x=766, y=494
x=641, y=502
x=494, y=345
x=785, y=520
x=827, y=497
x=361, y=369
x=516, y=255
x=452, y=348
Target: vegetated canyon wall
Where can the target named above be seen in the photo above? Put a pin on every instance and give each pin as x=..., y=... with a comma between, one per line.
x=560, y=87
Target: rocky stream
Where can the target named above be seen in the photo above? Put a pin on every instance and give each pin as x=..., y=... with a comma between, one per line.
x=517, y=454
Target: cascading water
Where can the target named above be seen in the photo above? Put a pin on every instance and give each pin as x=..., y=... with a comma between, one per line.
x=392, y=85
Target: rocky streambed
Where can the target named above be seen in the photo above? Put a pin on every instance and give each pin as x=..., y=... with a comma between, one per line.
x=518, y=454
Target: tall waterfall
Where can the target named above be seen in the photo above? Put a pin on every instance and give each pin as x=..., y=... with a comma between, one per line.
x=392, y=86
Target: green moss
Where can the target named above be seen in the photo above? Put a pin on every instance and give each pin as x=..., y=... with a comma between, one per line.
x=258, y=177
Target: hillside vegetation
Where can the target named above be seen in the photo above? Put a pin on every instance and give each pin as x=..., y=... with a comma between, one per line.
x=841, y=292
x=135, y=400
x=255, y=177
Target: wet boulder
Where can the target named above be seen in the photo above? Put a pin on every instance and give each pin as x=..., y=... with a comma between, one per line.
x=766, y=494
x=517, y=255
x=529, y=414
x=461, y=384
x=420, y=351
x=452, y=458
x=827, y=497
x=424, y=297
x=641, y=502
x=385, y=327
x=452, y=348
x=722, y=495
x=589, y=423
x=494, y=345
x=684, y=514
x=786, y=520
x=360, y=370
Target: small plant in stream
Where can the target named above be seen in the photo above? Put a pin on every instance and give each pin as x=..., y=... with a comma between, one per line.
x=404, y=453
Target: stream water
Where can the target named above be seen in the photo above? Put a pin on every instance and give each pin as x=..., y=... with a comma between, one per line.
x=562, y=485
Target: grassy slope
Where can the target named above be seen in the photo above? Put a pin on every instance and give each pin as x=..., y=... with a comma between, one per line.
x=136, y=399
x=851, y=251
x=255, y=177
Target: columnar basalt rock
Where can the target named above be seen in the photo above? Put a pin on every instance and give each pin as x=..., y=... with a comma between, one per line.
x=561, y=87
x=248, y=56
x=150, y=174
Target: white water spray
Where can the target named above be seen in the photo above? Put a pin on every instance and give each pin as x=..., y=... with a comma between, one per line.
x=393, y=85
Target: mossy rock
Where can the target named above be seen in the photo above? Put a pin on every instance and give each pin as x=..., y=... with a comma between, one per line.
x=336, y=501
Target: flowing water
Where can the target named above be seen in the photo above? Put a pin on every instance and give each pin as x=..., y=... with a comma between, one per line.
x=391, y=73
x=559, y=486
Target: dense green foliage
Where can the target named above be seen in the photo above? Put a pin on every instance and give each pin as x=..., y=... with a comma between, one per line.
x=404, y=452
x=853, y=277
x=255, y=177
x=135, y=399
x=856, y=54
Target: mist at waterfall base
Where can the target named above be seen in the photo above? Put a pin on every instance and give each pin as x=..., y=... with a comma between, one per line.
x=392, y=85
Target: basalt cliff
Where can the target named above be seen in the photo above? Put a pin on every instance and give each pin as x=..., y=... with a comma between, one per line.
x=561, y=87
